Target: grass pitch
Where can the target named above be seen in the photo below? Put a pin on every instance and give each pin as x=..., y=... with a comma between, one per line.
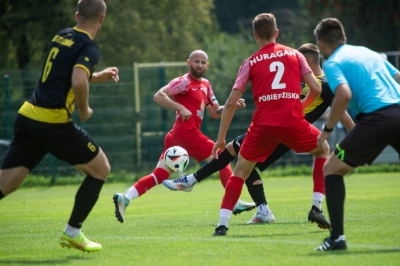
x=174, y=228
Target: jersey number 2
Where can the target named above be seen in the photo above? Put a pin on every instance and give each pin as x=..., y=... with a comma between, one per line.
x=47, y=68
x=279, y=68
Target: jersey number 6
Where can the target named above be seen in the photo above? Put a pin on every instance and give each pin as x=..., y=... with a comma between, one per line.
x=47, y=68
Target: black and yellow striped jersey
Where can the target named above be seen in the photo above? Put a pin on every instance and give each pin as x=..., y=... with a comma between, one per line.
x=53, y=100
x=315, y=110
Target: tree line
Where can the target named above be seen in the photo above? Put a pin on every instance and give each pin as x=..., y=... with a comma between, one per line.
x=168, y=30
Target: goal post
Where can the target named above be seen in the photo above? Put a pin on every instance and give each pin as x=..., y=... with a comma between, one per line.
x=136, y=67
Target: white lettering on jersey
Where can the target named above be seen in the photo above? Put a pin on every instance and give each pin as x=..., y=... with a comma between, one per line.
x=262, y=57
x=278, y=96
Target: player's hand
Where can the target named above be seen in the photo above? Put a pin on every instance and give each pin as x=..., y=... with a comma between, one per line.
x=110, y=73
x=85, y=114
x=185, y=113
x=241, y=104
x=219, y=145
x=323, y=136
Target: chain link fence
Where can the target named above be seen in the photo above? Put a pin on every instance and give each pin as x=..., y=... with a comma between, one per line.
x=128, y=125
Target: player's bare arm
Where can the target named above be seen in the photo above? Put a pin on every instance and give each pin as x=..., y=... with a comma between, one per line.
x=226, y=118
x=339, y=106
x=110, y=73
x=163, y=98
x=346, y=120
x=80, y=87
x=239, y=105
x=315, y=89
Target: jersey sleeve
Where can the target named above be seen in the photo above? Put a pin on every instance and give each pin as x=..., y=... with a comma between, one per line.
x=304, y=67
x=243, y=76
x=88, y=59
x=178, y=85
x=334, y=74
x=211, y=99
x=392, y=70
x=326, y=92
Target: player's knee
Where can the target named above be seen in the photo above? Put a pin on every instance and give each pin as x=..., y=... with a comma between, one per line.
x=231, y=149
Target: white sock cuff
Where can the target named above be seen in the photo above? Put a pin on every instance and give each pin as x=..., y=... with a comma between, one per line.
x=318, y=196
x=131, y=193
x=225, y=213
x=191, y=180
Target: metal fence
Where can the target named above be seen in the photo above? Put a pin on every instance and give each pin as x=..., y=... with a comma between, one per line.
x=126, y=122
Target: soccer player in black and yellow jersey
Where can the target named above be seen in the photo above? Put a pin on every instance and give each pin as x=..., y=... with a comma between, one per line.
x=254, y=183
x=44, y=124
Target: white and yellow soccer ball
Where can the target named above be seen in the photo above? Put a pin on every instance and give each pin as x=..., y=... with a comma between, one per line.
x=176, y=159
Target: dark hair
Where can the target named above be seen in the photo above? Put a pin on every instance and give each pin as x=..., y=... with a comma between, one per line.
x=91, y=10
x=330, y=31
x=310, y=50
x=265, y=26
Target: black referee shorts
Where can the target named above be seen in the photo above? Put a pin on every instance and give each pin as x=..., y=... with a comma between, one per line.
x=373, y=132
x=33, y=139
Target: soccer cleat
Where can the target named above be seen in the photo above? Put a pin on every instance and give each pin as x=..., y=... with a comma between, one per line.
x=242, y=206
x=120, y=202
x=179, y=183
x=260, y=218
x=329, y=244
x=80, y=242
x=316, y=216
x=220, y=231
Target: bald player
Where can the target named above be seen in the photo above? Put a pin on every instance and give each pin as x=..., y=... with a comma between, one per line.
x=189, y=95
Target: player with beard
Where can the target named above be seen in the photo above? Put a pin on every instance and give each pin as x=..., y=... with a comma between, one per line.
x=192, y=94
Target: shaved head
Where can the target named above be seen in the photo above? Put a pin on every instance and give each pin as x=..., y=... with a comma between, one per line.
x=196, y=53
x=197, y=63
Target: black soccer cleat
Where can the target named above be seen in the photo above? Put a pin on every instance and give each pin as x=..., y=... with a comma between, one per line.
x=316, y=216
x=329, y=244
x=220, y=231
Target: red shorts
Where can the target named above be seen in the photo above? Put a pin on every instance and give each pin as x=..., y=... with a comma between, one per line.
x=261, y=140
x=198, y=145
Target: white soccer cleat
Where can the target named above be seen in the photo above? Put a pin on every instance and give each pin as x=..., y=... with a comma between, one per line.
x=260, y=218
x=242, y=206
x=178, y=184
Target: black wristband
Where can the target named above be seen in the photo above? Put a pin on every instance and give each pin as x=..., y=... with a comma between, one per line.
x=326, y=129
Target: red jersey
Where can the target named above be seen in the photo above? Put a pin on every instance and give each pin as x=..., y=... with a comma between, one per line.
x=275, y=72
x=195, y=95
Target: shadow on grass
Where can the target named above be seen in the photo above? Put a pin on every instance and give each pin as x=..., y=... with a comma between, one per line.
x=369, y=251
x=66, y=260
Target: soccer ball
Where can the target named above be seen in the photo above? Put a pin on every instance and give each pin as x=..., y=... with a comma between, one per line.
x=176, y=159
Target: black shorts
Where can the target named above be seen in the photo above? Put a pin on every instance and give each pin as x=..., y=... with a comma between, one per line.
x=33, y=139
x=372, y=133
x=275, y=155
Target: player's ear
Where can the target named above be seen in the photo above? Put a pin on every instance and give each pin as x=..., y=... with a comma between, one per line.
x=77, y=16
x=276, y=33
x=309, y=60
x=188, y=62
x=102, y=18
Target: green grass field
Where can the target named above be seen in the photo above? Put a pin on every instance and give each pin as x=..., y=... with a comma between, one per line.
x=174, y=228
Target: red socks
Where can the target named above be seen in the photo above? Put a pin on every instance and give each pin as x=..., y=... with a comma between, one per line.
x=147, y=182
x=233, y=190
x=318, y=175
x=224, y=175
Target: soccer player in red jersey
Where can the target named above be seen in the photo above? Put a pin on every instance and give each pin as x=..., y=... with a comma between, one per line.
x=275, y=72
x=192, y=95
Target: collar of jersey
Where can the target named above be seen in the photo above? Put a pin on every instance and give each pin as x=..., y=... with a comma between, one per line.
x=83, y=31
